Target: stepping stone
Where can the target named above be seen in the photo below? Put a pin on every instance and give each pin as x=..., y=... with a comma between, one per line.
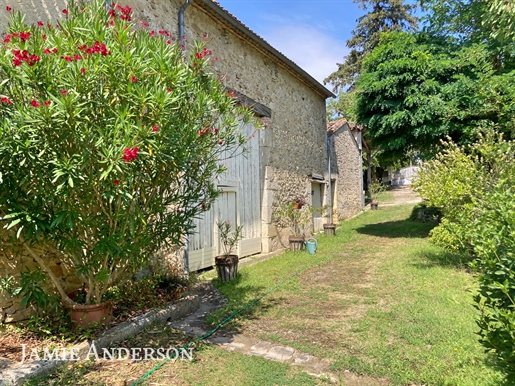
x=260, y=348
x=304, y=358
x=280, y=353
x=233, y=346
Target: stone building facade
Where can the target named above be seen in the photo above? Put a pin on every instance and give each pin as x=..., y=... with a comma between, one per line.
x=346, y=167
x=291, y=103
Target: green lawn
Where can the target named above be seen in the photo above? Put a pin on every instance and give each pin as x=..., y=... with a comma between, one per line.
x=377, y=300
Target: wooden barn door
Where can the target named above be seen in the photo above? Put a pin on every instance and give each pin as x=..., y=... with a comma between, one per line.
x=239, y=203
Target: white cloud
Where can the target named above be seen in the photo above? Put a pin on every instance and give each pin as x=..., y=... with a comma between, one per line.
x=310, y=48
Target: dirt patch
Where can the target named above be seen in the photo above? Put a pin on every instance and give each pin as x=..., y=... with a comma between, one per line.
x=55, y=331
x=401, y=195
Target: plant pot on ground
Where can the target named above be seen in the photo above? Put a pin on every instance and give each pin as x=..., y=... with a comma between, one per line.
x=330, y=229
x=227, y=263
x=374, y=190
x=296, y=243
x=296, y=220
x=87, y=315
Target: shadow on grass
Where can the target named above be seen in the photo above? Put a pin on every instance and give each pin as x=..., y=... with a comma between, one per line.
x=442, y=258
x=244, y=303
x=394, y=229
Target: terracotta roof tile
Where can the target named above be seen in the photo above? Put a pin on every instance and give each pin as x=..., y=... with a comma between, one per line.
x=334, y=126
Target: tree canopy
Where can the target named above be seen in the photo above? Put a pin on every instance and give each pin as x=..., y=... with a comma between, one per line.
x=453, y=79
x=383, y=16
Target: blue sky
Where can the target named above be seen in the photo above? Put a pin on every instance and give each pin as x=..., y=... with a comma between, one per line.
x=312, y=33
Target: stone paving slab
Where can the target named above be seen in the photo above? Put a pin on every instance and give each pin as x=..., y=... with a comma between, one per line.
x=193, y=325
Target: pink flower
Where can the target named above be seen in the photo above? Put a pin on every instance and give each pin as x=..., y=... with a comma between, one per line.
x=24, y=36
x=40, y=24
x=151, y=33
x=44, y=37
x=77, y=57
x=134, y=79
x=155, y=129
x=116, y=182
x=83, y=70
x=64, y=92
x=7, y=38
x=47, y=51
x=169, y=89
x=34, y=103
x=47, y=103
x=8, y=9
x=130, y=154
x=6, y=100
x=65, y=11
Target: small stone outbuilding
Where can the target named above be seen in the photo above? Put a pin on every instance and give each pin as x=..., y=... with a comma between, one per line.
x=346, y=167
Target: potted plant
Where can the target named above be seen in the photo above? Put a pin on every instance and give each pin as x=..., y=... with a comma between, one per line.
x=92, y=110
x=296, y=220
x=227, y=263
x=375, y=189
x=298, y=203
x=329, y=227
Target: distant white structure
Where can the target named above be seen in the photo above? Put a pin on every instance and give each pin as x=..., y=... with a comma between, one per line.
x=404, y=176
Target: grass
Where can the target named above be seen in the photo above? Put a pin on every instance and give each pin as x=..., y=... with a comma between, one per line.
x=377, y=300
x=211, y=366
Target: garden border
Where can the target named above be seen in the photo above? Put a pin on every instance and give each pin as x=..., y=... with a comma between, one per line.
x=21, y=372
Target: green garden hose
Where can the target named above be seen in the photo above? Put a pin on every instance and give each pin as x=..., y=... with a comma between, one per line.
x=225, y=321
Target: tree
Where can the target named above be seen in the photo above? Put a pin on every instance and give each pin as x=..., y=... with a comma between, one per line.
x=110, y=141
x=384, y=16
x=415, y=90
x=344, y=106
x=500, y=20
x=468, y=22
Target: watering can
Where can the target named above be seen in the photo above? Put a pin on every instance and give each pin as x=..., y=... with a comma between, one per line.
x=311, y=246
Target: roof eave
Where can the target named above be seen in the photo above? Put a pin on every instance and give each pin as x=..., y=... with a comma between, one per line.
x=262, y=45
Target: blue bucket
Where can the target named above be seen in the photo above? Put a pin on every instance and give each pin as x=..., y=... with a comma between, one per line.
x=311, y=246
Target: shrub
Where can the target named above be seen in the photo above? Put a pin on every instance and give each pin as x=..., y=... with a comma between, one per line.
x=110, y=140
x=474, y=188
x=425, y=213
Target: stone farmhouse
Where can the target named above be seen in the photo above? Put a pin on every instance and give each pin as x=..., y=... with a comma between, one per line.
x=286, y=160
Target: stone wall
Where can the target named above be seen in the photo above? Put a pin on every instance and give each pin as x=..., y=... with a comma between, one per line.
x=346, y=166
x=13, y=260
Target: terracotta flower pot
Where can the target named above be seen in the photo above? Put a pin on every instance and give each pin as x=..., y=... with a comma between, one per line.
x=85, y=315
x=226, y=267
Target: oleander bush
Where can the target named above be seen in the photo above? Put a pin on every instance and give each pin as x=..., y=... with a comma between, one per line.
x=111, y=137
